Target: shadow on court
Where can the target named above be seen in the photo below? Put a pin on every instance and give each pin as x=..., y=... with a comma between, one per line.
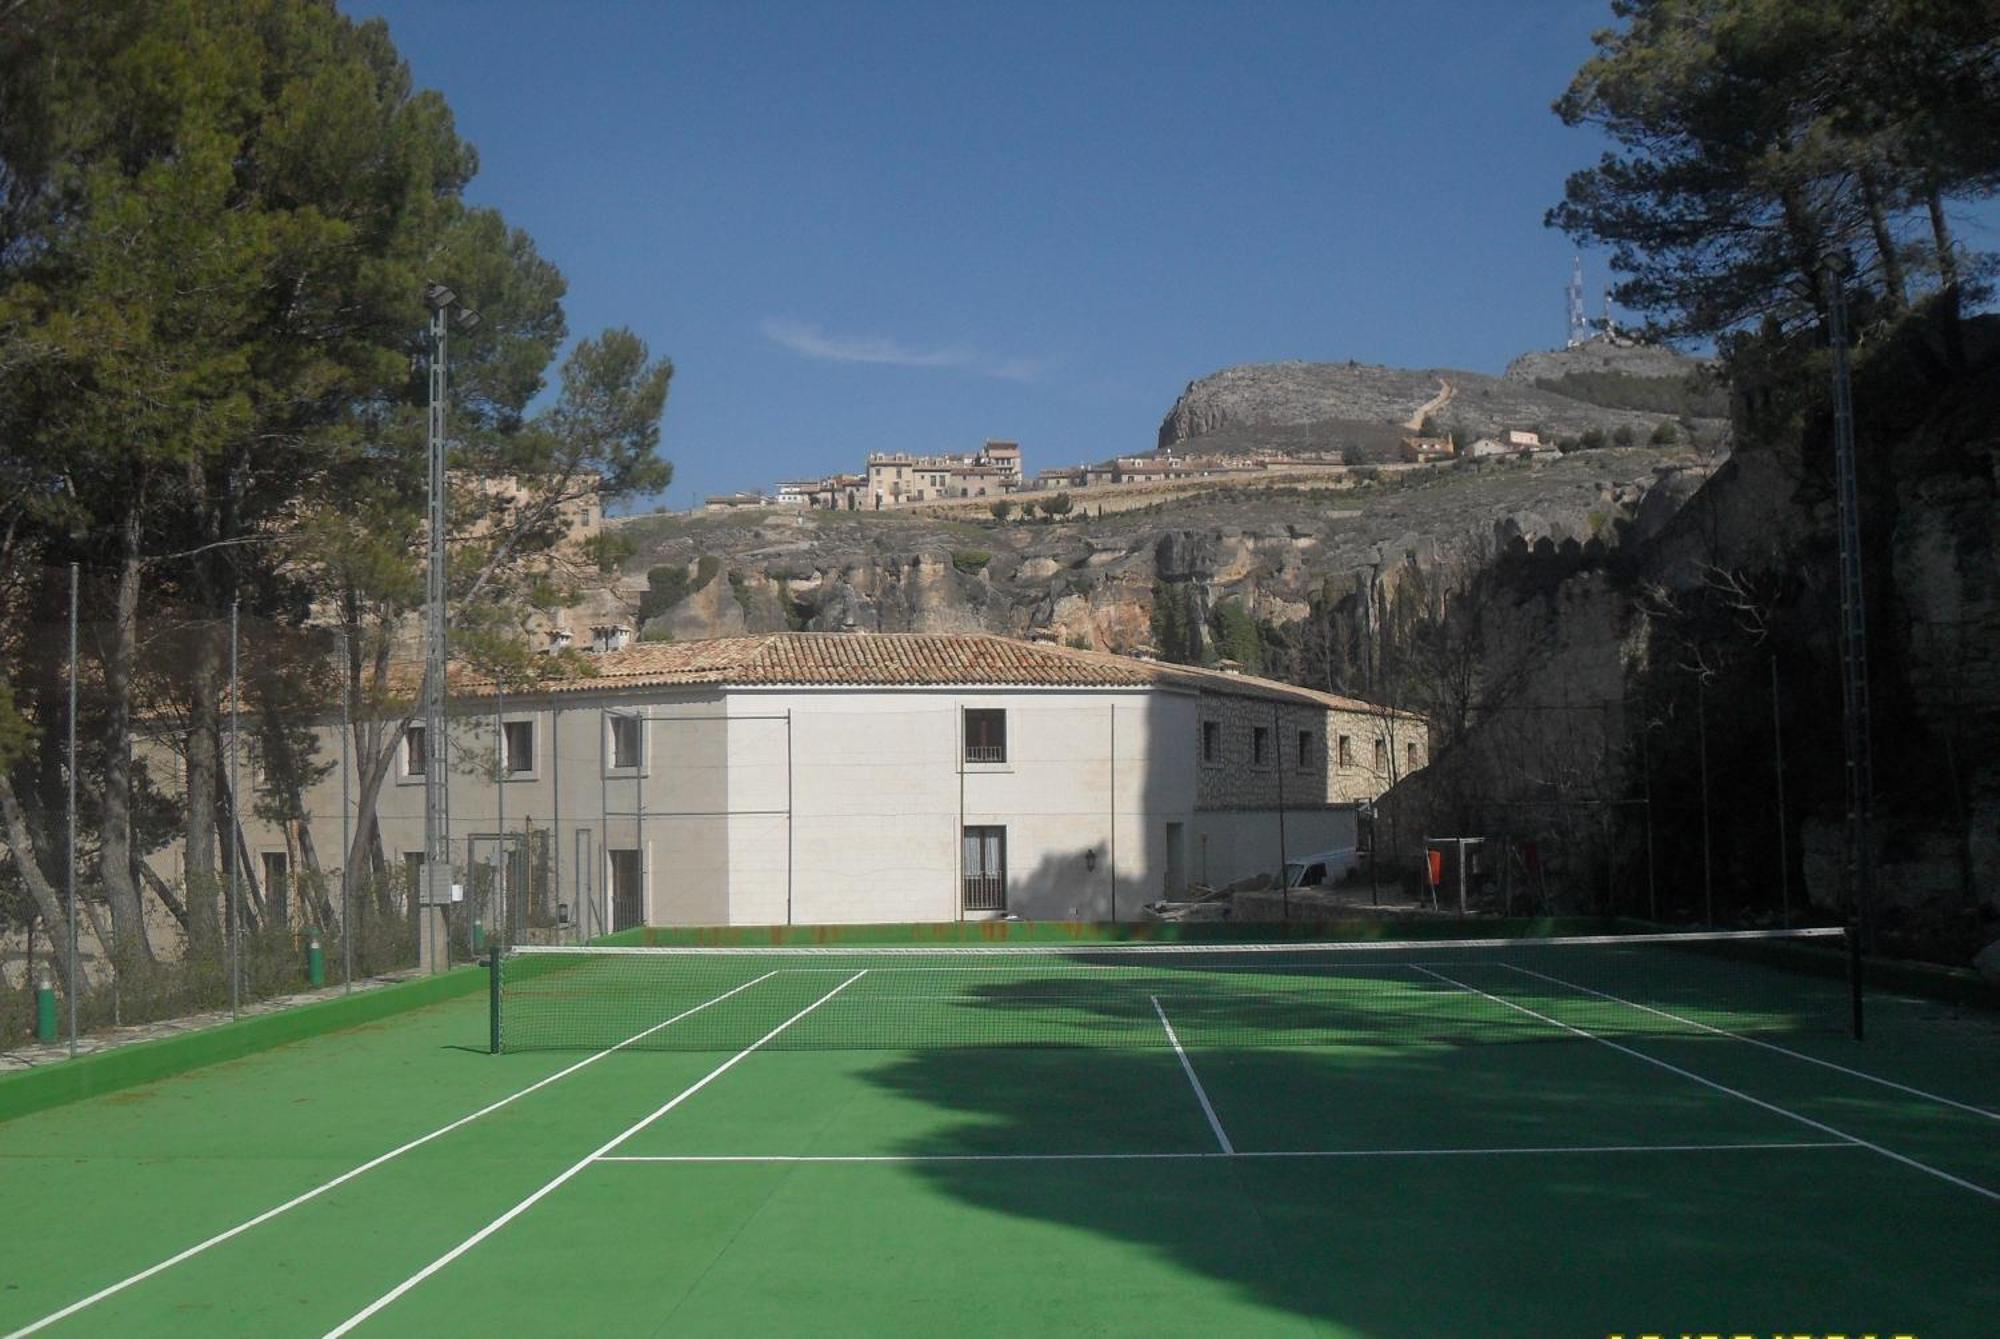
x=1546, y=1243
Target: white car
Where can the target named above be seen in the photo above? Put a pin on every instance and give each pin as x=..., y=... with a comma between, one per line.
x=1322, y=869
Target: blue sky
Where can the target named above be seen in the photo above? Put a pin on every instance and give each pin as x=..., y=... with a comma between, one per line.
x=876, y=226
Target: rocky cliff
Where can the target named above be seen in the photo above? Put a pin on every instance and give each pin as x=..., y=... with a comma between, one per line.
x=1666, y=727
x=1091, y=581
x=1366, y=408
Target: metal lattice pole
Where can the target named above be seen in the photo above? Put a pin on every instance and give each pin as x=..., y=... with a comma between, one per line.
x=437, y=820
x=235, y=820
x=1853, y=622
x=498, y=917
x=69, y=872
x=346, y=820
x=1778, y=770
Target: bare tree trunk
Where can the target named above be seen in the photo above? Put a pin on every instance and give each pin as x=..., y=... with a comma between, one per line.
x=204, y=737
x=1947, y=256
x=21, y=841
x=163, y=891
x=314, y=884
x=237, y=847
x=1894, y=288
x=118, y=654
x=1948, y=279
x=204, y=750
x=1807, y=235
x=374, y=754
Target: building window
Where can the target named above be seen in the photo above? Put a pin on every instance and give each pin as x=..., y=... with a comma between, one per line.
x=625, y=743
x=985, y=735
x=1346, y=754
x=1381, y=755
x=1211, y=742
x=517, y=747
x=1305, y=750
x=986, y=869
x=1260, y=745
x=277, y=886
x=1413, y=757
x=413, y=875
x=415, y=755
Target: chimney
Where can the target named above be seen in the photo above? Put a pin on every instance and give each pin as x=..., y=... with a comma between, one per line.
x=606, y=637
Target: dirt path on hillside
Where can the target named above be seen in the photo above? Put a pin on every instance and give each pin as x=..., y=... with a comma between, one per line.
x=1431, y=406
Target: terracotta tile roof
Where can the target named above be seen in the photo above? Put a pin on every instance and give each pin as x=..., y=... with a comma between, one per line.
x=911, y=659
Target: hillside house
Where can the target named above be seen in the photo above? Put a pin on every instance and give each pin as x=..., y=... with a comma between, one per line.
x=1427, y=450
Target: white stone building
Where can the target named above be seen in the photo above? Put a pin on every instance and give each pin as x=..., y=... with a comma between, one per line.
x=830, y=778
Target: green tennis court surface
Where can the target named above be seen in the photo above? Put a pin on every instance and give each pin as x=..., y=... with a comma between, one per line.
x=1422, y=1142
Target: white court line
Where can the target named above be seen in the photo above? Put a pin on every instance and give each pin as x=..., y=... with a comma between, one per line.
x=1821, y=1126
x=1187, y=1066
x=1066, y=969
x=1769, y=1046
x=554, y=1184
x=368, y=1166
x=1206, y=1156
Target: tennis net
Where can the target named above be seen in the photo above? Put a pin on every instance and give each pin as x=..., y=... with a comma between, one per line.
x=1126, y=995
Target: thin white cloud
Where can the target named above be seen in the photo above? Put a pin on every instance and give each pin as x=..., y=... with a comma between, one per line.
x=809, y=340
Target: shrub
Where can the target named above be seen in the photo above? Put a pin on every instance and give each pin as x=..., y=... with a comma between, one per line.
x=970, y=561
x=1002, y=509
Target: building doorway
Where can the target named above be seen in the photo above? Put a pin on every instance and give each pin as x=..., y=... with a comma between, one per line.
x=628, y=894
x=985, y=869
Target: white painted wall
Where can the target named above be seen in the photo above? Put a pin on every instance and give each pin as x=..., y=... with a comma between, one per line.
x=837, y=806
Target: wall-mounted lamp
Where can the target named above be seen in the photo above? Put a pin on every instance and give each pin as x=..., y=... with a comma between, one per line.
x=1090, y=859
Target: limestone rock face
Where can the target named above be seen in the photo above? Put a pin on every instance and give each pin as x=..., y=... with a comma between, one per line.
x=1598, y=355
x=1092, y=581
x=1367, y=409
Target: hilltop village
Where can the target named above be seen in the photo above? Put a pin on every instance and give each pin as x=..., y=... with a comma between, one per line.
x=994, y=475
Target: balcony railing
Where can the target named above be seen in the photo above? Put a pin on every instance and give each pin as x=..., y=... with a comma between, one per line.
x=986, y=753
x=985, y=892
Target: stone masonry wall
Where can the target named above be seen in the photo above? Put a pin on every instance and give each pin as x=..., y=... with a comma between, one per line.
x=1234, y=779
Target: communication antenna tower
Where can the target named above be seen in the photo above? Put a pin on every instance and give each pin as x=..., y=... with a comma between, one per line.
x=1579, y=323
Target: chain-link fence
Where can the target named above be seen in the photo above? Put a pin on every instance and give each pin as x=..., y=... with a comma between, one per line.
x=185, y=792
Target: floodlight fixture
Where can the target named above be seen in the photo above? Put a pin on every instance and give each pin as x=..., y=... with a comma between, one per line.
x=467, y=319
x=438, y=296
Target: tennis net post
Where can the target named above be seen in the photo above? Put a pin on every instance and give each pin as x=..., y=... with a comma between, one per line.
x=493, y=999
x=1854, y=976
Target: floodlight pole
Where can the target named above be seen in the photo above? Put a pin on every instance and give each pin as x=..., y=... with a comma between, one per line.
x=434, y=890
x=1853, y=640
x=69, y=868
x=235, y=820
x=346, y=819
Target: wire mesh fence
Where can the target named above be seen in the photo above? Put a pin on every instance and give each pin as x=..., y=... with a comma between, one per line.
x=184, y=791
